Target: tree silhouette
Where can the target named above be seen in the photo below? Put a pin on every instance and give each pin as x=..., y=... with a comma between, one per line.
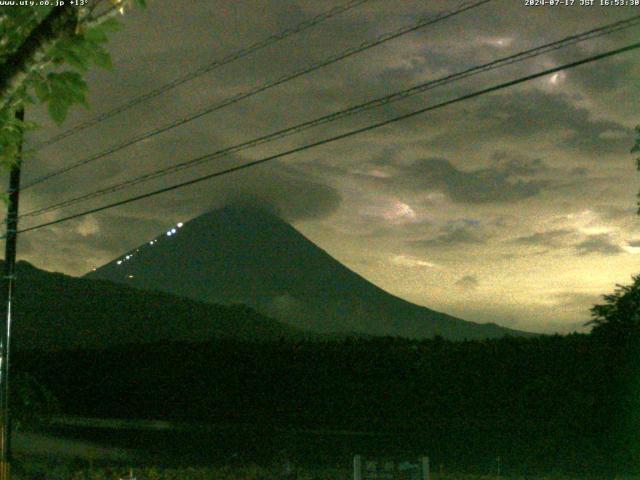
x=619, y=315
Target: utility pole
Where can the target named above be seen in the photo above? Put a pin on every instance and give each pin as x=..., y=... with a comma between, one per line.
x=9, y=280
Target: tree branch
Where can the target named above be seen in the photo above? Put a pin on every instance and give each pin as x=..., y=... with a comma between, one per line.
x=94, y=21
x=61, y=21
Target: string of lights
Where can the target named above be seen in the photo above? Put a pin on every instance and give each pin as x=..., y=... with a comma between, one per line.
x=386, y=37
x=351, y=133
x=375, y=103
x=227, y=59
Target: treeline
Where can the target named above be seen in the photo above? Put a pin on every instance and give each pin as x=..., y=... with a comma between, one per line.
x=570, y=403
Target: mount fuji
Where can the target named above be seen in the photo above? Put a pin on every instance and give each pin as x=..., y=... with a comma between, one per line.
x=246, y=255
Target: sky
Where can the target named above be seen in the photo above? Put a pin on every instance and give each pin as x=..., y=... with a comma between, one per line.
x=517, y=207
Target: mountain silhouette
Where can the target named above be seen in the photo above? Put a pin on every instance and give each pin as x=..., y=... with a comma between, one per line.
x=53, y=311
x=241, y=254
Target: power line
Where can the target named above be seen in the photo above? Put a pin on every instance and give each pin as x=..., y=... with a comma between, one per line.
x=499, y=63
x=232, y=57
x=425, y=21
x=348, y=134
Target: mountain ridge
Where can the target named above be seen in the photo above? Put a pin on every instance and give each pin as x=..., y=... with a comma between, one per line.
x=54, y=311
x=241, y=254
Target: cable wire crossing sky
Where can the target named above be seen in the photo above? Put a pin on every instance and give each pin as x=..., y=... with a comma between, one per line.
x=512, y=201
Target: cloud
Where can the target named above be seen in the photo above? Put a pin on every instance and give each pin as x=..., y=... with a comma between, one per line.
x=394, y=211
x=468, y=282
x=578, y=299
x=97, y=238
x=411, y=261
x=283, y=190
x=592, y=79
x=599, y=244
x=634, y=243
x=550, y=238
x=528, y=114
x=533, y=153
x=536, y=112
x=452, y=237
x=495, y=184
x=517, y=164
x=91, y=241
x=617, y=213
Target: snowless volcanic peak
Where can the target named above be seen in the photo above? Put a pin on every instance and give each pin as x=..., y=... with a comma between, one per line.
x=241, y=254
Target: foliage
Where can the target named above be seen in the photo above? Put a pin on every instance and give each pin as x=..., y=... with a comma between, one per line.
x=54, y=76
x=11, y=130
x=619, y=315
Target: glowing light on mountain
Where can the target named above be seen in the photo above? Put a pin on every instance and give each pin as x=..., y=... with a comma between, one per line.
x=119, y=262
x=173, y=230
x=180, y=224
x=169, y=233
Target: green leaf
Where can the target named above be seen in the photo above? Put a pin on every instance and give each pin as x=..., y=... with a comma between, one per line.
x=111, y=25
x=73, y=79
x=73, y=58
x=58, y=110
x=96, y=34
x=65, y=89
x=42, y=90
x=62, y=93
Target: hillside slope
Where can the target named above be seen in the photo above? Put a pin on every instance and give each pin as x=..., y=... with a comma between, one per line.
x=245, y=255
x=55, y=311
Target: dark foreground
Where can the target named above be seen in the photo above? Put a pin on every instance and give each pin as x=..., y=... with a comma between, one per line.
x=568, y=405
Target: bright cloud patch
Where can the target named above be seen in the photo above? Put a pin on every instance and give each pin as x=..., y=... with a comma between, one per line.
x=411, y=261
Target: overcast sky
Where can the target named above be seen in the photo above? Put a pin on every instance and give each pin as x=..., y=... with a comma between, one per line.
x=516, y=207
